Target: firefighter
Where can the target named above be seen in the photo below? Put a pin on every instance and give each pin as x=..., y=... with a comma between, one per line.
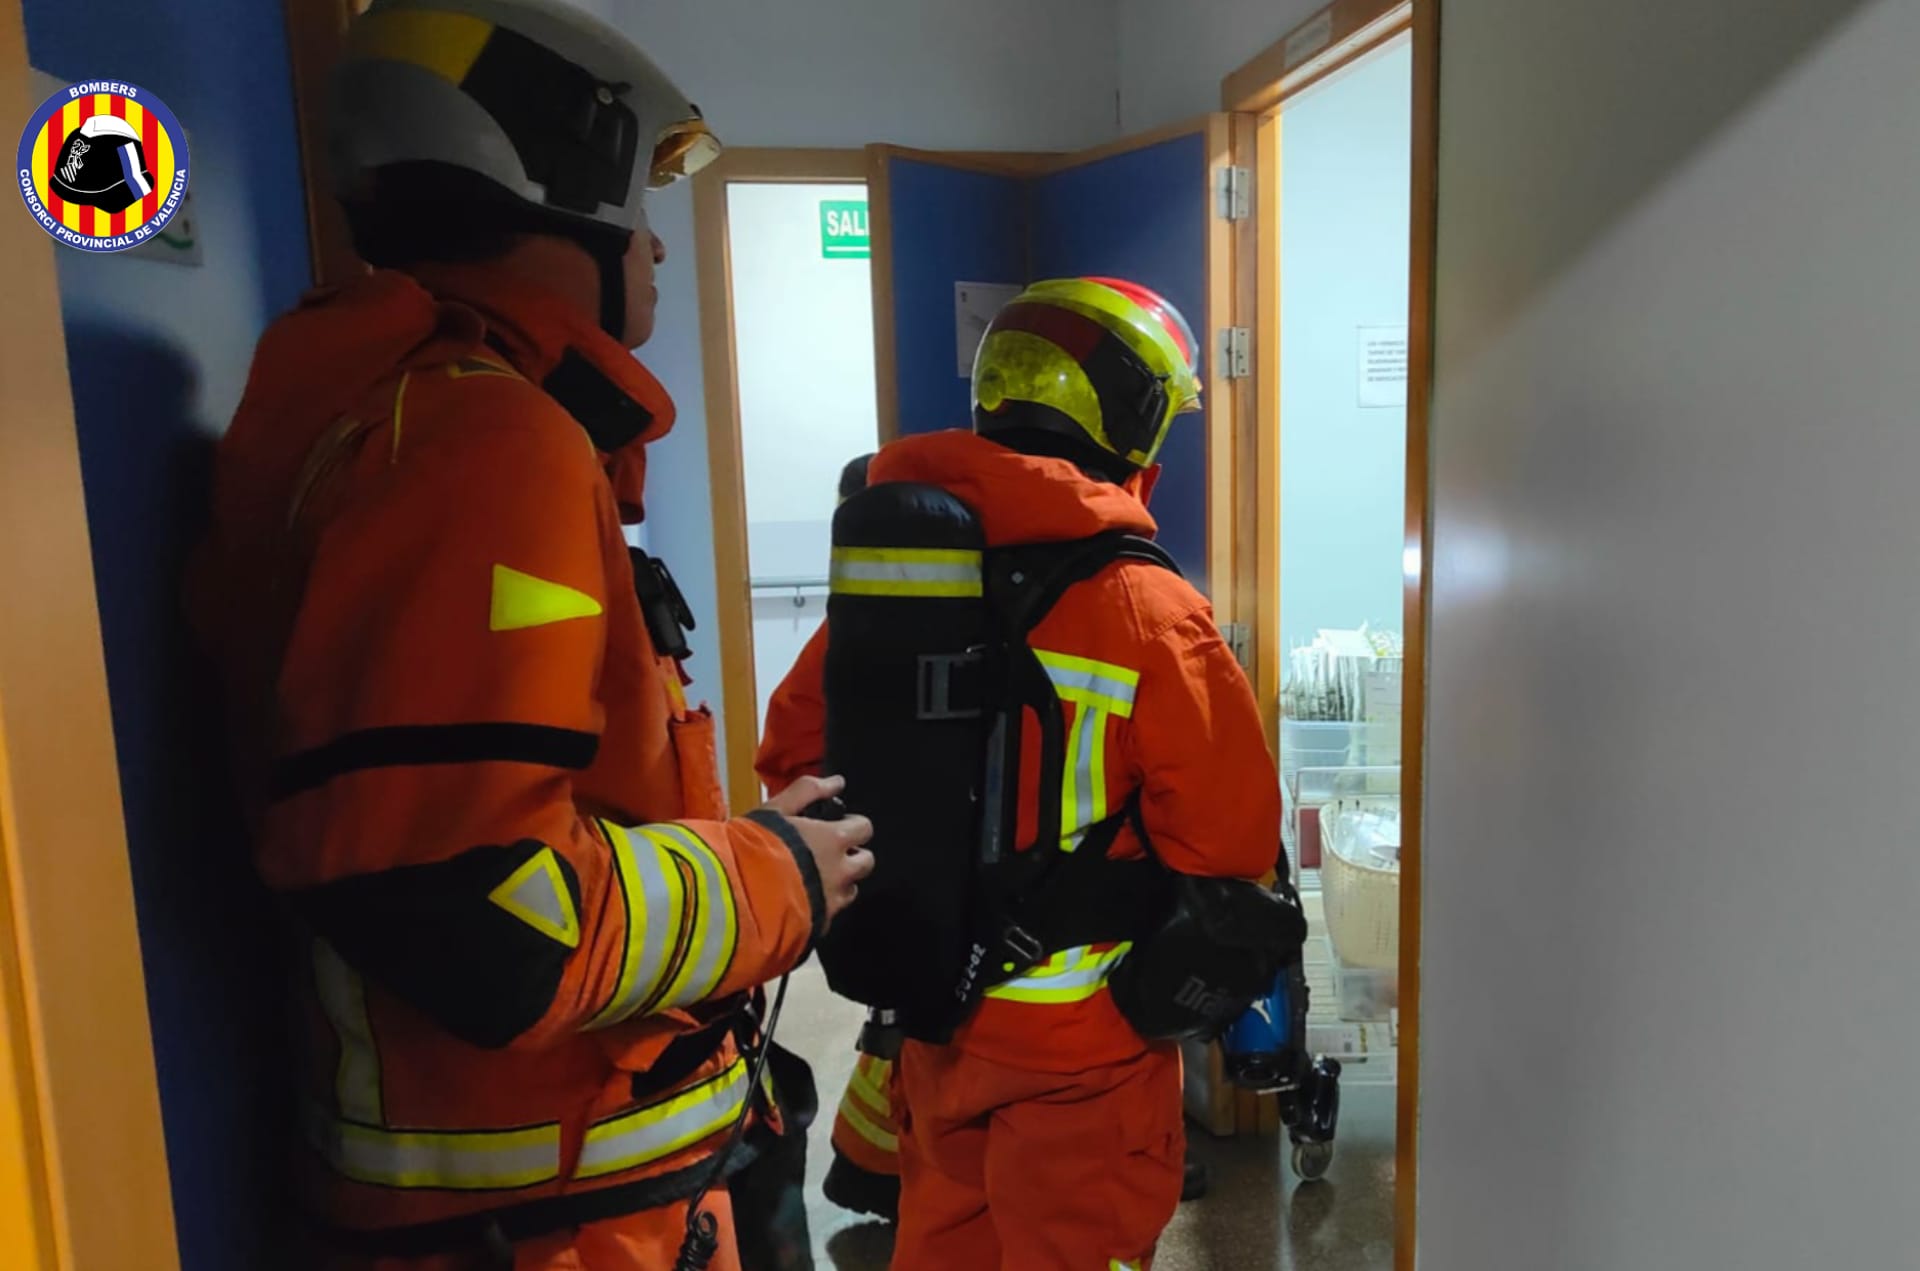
x=1048, y=1133
x=528, y=927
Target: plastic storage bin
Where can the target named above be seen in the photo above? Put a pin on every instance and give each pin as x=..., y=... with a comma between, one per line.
x=1306, y=791
x=1360, y=872
x=1366, y=994
x=1317, y=744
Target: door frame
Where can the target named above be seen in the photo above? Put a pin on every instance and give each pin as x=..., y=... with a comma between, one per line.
x=732, y=570
x=83, y=1162
x=1330, y=40
x=316, y=37
x=1230, y=302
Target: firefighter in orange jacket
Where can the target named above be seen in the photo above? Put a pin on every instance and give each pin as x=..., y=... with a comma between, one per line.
x=528, y=925
x=1048, y=1134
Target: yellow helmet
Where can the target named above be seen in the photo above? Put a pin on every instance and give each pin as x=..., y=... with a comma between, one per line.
x=1099, y=359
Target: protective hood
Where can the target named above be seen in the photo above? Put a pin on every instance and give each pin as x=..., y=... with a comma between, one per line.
x=542, y=336
x=322, y=360
x=1019, y=498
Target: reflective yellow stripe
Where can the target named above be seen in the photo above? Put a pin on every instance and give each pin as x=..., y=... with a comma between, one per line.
x=1096, y=759
x=1083, y=780
x=871, y=1092
x=655, y=896
x=904, y=571
x=716, y=928
x=1098, y=691
x=1087, y=682
x=343, y=999
x=1072, y=774
x=452, y=1160
x=857, y=1119
x=1074, y=975
x=658, y=1131
x=1123, y=1266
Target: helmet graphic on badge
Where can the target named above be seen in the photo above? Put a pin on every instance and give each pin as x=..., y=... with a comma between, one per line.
x=103, y=165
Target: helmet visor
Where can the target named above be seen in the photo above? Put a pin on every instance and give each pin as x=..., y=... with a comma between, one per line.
x=681, y=151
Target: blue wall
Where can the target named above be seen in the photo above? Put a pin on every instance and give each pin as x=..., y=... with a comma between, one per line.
x=950, y=225
x=158, y=356
x=1137, y=216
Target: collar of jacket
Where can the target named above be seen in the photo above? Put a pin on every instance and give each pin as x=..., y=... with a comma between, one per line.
x=602, y=385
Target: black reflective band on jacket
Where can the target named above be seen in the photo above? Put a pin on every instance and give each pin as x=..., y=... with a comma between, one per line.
x=425, y=744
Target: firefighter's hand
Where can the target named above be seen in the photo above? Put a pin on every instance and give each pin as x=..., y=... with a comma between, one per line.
x=838, y=847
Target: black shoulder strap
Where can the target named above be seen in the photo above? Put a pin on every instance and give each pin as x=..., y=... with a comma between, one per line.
x=1025, y=583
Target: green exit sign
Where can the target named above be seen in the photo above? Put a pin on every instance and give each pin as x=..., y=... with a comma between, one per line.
x=843, y=229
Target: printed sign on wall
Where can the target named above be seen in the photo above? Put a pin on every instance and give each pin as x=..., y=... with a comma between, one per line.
x=1383, y=366
x=843, y=229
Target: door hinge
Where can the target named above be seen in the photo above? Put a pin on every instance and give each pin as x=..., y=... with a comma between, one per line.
x=1236, y=352
x=1233, y=188
x=1239, y=638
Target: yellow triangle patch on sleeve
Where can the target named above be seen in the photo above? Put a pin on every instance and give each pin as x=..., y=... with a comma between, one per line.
x=522, y=600
x=537, y=895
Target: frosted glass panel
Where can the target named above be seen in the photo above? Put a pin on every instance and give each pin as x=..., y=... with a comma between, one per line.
x=1344, y=195
x=803, y=330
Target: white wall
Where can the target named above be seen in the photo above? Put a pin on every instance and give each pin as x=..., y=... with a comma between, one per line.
x=1173, y=56
x=1671, y=880
x=803, y=326
x=1343, y=265
x=841, y=73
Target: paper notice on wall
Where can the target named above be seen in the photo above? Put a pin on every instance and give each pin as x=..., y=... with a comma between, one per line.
x=974, y=304
x=1383, y=366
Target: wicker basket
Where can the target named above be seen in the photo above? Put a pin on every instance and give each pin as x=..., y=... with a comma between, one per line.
x=1362, y=894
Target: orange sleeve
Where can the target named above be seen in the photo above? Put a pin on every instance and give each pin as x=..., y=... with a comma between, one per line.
x=1210, y=797
x=437, y=697
x=794, y=741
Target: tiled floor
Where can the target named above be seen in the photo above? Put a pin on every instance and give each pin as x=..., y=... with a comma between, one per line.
x=1257, y=1218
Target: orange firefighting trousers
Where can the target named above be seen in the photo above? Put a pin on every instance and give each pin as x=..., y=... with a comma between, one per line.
x=647, y=1241
x=1008, y=1170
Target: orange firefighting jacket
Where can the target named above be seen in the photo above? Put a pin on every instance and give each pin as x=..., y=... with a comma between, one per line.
x=1152, y=693
x=479, y=789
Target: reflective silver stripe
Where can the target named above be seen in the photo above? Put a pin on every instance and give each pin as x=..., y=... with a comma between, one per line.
x=656, y=1132
x=453, y=1160
x=904, y=571
x=1083, y=780
x=1072, y=976
x=716, y=920
x=1091, y=683
x=343, y=998
x=656, y=898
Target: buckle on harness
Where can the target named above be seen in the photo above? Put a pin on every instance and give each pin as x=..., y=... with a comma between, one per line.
x=935, y=695
x=1021, y=949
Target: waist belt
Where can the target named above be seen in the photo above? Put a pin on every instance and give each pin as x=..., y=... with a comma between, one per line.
x=1054, y=900
x=685, y=1055
x=499, y=1230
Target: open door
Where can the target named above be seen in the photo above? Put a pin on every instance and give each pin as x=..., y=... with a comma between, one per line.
x=955, y=234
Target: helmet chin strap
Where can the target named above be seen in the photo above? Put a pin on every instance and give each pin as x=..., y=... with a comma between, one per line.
x=609, y=253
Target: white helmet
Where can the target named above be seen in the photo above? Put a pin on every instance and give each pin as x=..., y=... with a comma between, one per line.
x=552, y=104
x=556, y=111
